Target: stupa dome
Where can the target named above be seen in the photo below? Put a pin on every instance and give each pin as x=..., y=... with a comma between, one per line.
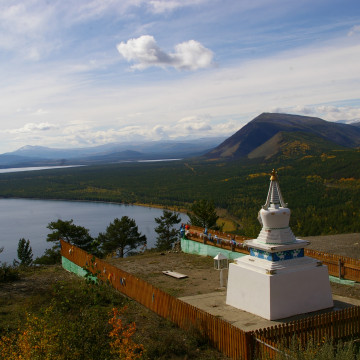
x=275, y=216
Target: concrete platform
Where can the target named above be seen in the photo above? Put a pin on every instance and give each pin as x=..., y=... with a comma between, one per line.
x=214, y=303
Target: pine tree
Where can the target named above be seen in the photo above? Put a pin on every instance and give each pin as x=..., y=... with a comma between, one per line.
x=24, y=252
x=68, y=231
x=202, y=213
x=167, y=235
x=122, y=236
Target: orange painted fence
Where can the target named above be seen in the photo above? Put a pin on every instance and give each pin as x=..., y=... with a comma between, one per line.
x=232, y=341
x=228, y=339
x=336, y=325
x=340, y=266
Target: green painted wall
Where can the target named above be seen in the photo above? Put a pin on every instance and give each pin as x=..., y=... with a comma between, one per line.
x=76, y=269
x=342, y=281
x=194, y=247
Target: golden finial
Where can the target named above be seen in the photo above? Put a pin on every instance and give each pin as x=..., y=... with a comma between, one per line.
x=273, y=175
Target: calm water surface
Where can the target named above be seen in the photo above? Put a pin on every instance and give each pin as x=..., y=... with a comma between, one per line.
x=22, y=218
x=35, y=168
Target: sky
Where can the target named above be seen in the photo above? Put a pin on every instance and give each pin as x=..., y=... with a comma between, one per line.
x=90, y=72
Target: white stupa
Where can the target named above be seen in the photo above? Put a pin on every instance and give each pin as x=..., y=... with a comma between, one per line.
x=276, y=280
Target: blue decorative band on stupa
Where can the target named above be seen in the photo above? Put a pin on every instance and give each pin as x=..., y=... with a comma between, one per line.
x=277, y=256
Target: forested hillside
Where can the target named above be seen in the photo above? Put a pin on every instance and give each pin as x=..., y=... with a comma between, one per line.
x=264, y=136
x=323, y=190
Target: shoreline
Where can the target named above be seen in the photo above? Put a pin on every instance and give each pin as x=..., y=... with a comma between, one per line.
x=224, y=218
x=155, y=206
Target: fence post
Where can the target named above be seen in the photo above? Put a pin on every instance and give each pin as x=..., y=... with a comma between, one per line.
x=340, y=269
x=249, y=345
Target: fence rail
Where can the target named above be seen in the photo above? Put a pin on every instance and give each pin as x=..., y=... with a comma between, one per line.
x=232, y=341
x=336, y=325
x=341, y=266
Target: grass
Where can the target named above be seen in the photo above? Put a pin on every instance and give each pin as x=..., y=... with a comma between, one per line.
x=69, y=296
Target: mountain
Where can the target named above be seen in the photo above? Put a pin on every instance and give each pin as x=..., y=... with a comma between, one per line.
x=268, y=133
x=108, y=153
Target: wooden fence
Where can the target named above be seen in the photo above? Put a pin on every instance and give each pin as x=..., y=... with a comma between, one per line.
x=228, y=339
x=336, y=325
x=232, y=341
x=341, y=266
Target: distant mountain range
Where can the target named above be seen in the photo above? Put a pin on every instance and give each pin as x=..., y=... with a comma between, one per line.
x=267, y=136
x=109, y=153
x=273, y=134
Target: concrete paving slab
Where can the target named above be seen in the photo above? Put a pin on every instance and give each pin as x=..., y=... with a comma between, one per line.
x=214, y=303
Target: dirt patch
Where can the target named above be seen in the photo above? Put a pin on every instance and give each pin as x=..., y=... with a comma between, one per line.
x=203, y=278
x=344, y=244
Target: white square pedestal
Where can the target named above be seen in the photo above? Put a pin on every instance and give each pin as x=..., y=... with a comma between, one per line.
x=276, y=290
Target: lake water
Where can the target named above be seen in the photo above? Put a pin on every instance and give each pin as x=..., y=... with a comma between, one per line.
x=35, y=168
x=23, y=218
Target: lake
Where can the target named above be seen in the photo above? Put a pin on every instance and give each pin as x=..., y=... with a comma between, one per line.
x=23, y=218
x=35, y=168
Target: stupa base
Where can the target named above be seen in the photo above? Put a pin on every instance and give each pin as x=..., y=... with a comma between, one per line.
x=276, y=290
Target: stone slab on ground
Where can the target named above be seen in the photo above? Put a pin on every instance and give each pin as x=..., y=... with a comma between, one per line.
x=215, y=304
x=174, y=274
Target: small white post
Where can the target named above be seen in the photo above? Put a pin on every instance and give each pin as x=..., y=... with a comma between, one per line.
x=221, y=278
x=221, y=263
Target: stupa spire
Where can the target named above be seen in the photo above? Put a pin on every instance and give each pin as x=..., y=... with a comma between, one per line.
x=274, y=198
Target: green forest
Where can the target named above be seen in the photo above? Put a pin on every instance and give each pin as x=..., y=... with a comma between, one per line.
x=322, y=190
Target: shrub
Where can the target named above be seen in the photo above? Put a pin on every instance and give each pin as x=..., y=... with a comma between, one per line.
x=51, y=256
x=8, y=273
x=74, y=324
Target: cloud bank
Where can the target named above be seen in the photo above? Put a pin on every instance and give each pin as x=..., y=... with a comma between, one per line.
x=144, y=51
x=31, y=128
x=345, y=114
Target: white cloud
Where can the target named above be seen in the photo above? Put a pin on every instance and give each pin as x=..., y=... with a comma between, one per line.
x=145, y=52
x=159, y=132
x=326, y=112
x=31, y=128
x=191, y=127
x=161, y=6
x=306, y=110
x=191, y=55
x=35, y=28
x=231, y=96
x=24, y=27
x=226, y=128
x=39, y=112
x=354, y=30
x=22, y=18
x=336, y=113
x=328, y=109
x=194, y=124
